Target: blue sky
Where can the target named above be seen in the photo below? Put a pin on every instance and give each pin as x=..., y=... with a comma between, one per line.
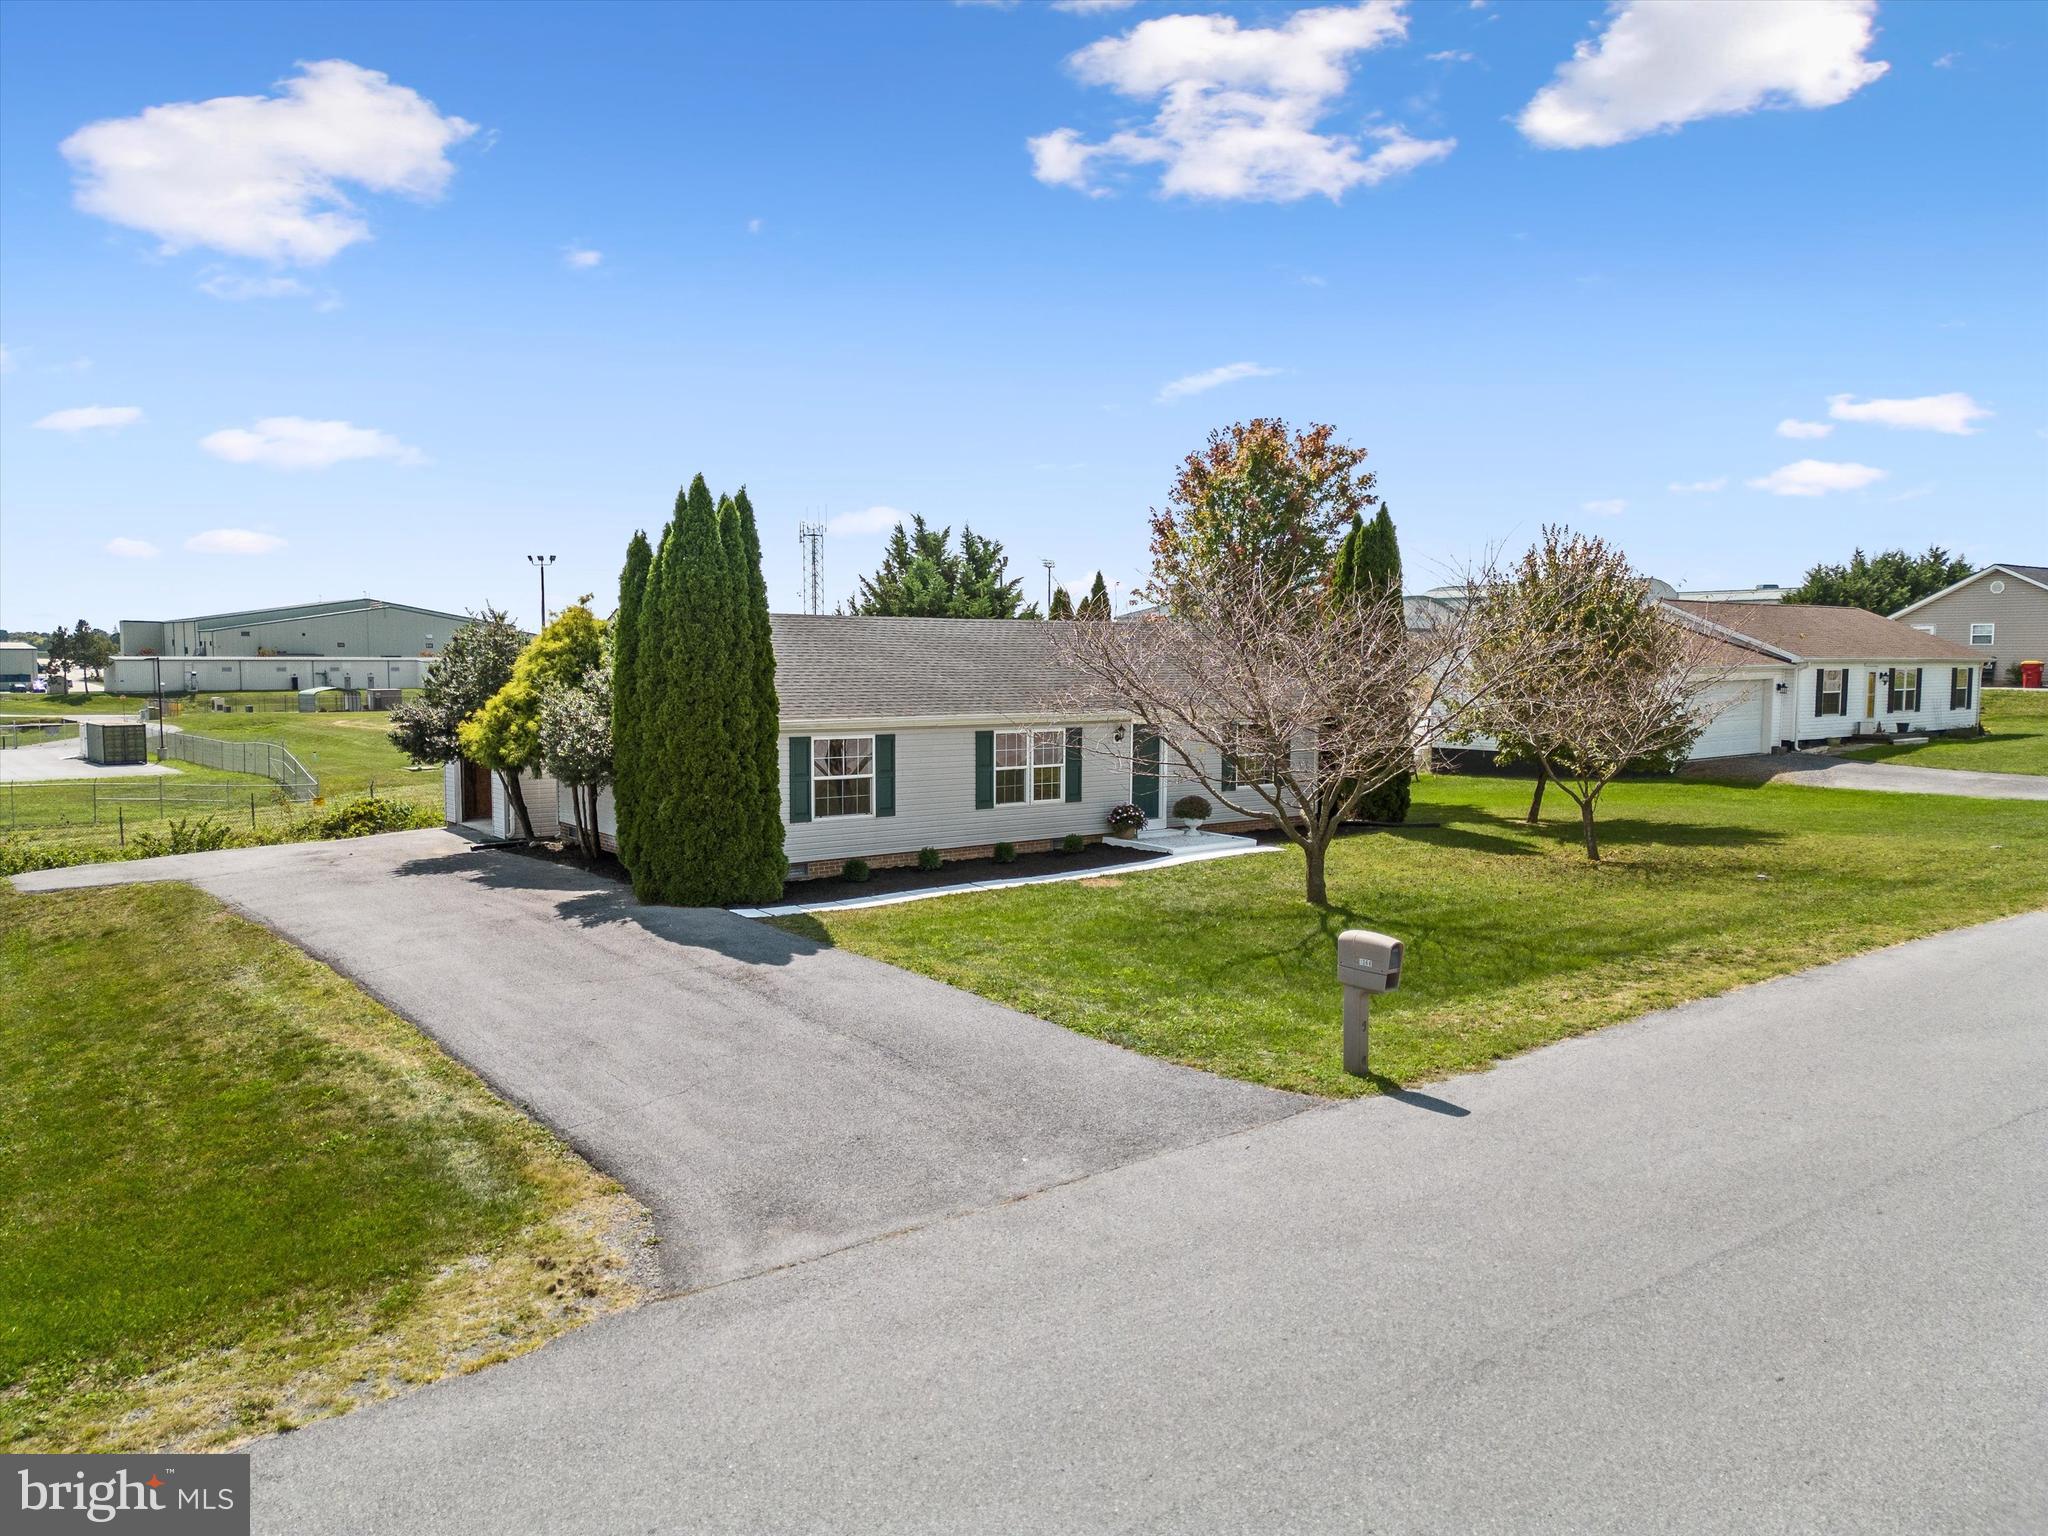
x=952, y=259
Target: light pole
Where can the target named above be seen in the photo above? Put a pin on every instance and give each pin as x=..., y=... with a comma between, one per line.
x=1048, y=587
x=543, y=561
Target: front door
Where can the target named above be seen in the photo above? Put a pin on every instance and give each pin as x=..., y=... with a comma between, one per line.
x=1145, y=772
x=476, y=791
x=1870, y=694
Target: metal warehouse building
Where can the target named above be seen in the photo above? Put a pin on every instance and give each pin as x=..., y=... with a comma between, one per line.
x=352, y=627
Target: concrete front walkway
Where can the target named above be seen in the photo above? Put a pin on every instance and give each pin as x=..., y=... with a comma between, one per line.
x=1828, y=772
x=1775, y=1262
x=770, y=1098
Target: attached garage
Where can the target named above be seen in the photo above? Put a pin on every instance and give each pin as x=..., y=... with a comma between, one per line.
x=1742, y=727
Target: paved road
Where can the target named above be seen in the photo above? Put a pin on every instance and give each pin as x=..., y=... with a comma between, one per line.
x=770, y=1099
x=1899, y=778
x=1776, y=1262
x=45, y=760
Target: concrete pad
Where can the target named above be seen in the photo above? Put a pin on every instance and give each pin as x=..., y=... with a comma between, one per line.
x=1823, y=771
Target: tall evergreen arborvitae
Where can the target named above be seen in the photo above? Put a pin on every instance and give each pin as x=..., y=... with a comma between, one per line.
x=1062, y=604
x=763, y=771
x=1383, y=553
x=628, y=704
x=1096, y=604
x=1368, y=566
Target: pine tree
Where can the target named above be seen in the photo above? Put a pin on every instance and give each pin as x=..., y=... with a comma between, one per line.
x=1096, y=604
x=628, y=701
x=922, y=576
x=1382, y=554
x=766, y=867
x=1062, y=604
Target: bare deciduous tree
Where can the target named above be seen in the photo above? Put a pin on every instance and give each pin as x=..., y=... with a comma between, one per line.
x=1315, y=698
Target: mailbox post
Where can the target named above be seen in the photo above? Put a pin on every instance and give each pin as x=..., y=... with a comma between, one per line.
x=1367, y=962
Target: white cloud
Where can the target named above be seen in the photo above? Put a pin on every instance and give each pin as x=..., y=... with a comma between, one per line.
x=235, y=285
x=1197, y=383
x=1698, y=487
x=1451, y=56
x=1659, y=65
x=873, y=520
x=1091, y=7
x=581, y=257
x=233, y=541
x=1612, y=508
x=85, y=418
x=264, y=176
x=1816, y=477
x=1237, y=107
x=132, y=549
x=1792, y=426
x=1951, y=413
x=1947, y=61
x=6, y=359
x=293, y=442
x=754, y=226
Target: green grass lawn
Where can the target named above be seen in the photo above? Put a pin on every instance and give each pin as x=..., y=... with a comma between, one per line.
x=2015, y=739
x=1514, y=938
x=237, y=1194
x=78, y=821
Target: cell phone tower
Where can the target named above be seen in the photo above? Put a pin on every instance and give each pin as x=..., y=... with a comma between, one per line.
x=810, y=539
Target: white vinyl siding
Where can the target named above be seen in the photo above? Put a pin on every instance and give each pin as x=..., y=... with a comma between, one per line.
x=1932, y=712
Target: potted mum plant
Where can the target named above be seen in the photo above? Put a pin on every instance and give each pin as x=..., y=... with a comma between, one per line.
x=1126, y=820
x=1191, y=811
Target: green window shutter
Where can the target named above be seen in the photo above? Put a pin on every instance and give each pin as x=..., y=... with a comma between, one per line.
x=885, y=775
x=984, y=770
x=799, y=778
x=1073, y=762
x=1229, y=777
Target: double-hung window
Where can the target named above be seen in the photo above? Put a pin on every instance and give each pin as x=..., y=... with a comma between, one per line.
x=1250, y=761
x=1905, y=691
x=1833, y=696
x=843, y=776
x=1959, y=687
x=1983, y=634
x=1030, y=765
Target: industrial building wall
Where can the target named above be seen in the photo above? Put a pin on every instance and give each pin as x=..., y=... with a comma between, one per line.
x=243, y=674
x=375, y=629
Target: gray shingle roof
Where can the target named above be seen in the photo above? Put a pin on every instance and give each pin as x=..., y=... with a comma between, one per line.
x=2031, y=572
x=1817, y=633
x=829, y=667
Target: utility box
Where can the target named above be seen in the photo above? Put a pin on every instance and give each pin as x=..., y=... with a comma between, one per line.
x=112, y=743
x=1367, y=963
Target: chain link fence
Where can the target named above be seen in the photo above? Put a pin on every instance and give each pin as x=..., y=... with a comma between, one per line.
x=266, y=758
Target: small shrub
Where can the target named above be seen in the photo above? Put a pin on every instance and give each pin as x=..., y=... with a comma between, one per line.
x=855, y=869
x=1388, y=803
x=1006, y=853
x=1125, y=819
x=182, y=836
x=19, y=858
x=1192, y=808
x=928, y=858
x=1073, y=842
x=371, y=814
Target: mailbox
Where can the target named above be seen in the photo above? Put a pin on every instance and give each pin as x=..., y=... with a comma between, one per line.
x=1367, y=960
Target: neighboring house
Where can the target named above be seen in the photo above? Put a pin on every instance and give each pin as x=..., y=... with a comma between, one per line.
x=2001, y=613
x=1801, y=675
x=1840, y=672
x=1768, y=592
x=900, y=734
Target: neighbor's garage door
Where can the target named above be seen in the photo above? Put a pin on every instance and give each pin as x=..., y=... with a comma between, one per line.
x=1739, y=728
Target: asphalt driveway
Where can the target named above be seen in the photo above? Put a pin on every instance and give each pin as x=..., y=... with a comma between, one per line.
x=769, y=1098
x=1827, y=772
x=1775, y=1262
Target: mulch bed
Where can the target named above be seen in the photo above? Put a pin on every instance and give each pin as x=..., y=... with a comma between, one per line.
x=890, y=882
x=883, y=882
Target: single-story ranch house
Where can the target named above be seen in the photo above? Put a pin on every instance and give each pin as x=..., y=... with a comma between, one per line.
x=903, y=734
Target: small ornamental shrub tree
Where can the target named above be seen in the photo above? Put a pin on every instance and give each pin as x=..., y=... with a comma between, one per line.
x=1193, y=808
x=1006, y=853
x=855, y=869
x=1073, y=842
x=929, y=858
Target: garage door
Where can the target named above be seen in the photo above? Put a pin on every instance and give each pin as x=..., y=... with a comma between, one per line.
x=1739, y=728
